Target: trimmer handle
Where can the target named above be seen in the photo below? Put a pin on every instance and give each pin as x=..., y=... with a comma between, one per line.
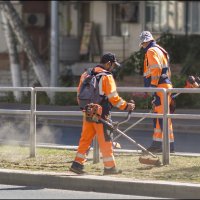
x=130, y=111
x=128, y=115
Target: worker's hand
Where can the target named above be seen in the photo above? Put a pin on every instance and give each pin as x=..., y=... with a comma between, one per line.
x=192, y=82
x=197, y=79
x=130, y=106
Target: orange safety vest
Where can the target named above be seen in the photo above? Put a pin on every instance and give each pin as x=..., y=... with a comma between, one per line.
x=157, y=74
x=156, y=67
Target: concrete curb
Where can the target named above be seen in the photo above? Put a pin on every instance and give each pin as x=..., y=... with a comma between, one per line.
x=108, y=184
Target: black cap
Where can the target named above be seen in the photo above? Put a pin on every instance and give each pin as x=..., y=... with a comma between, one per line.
x=109, y=57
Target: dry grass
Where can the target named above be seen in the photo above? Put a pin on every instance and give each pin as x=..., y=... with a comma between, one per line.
x=181, y=168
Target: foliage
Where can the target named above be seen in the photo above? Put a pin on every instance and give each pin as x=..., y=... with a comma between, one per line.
x=133, y=65
x=9, y=97
x=191, y=61
x=66, y=99
x=182, y=50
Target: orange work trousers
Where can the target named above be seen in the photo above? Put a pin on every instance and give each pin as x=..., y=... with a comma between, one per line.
x=158, y=123
x=89, y=130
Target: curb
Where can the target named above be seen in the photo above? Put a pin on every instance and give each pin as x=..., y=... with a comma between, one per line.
x=108, y=184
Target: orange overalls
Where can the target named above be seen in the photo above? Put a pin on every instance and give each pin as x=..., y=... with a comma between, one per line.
x=107, y=87
x=157, y=74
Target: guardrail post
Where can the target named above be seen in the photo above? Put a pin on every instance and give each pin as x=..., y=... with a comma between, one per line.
x=165, y=144
x=96, y=157
x=33, y=124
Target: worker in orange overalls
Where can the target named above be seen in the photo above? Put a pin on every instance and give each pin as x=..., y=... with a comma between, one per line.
x=107, y=88
x=157, y=74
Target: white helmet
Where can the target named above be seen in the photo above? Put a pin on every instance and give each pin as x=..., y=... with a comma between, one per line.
x=145, y=36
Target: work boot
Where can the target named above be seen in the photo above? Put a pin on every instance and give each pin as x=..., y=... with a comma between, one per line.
x=111, y=171
x=172, y=149
x=153, y=149
x=77, y=168
x=156, y=147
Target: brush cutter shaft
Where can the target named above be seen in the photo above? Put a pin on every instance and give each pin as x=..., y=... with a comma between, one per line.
x=140, y=146
x=130, y=127
x=129, y=138
x=134, y=124
x=128, y=116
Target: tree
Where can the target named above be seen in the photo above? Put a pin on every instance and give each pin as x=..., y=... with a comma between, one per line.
x=16, y=23
x=13, y=56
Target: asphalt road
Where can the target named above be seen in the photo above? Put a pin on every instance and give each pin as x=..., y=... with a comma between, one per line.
x=32, y=192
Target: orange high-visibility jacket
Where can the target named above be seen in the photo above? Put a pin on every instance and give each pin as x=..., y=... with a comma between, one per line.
x=157, y=74
x=156, y=67
x=107, y=87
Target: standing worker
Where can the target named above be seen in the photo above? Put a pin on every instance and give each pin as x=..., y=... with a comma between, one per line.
x=157, y=74
x=107, y=88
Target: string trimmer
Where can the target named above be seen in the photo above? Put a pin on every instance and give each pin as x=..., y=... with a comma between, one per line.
x=94, y=111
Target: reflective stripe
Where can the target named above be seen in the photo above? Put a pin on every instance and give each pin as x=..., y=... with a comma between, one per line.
x=165, y=66
x=160, y=139
x=108, y=159
x=79, y=155
x=112, y=94
x=101, y=92
x=155, y=77
x=157, y=66
x=108, y=167
x=157, y=130
x=148, y=72
x=160, y=56
x=119, y=103
x=164, y=75
x=159, y=52
x=154, y=66
x=157, y=139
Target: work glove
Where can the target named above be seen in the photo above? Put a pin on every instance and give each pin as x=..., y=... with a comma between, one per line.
x=130, y=106
x=192, y=82
x=197, y=79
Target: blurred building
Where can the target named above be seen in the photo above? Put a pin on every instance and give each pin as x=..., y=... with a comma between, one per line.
x=89, y=28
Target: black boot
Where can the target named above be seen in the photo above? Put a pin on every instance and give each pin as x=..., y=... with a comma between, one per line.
x=77, y=168
x=172, y=149
x=156, y=147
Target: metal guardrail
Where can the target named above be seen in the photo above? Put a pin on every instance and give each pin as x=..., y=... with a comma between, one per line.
x=33, y=112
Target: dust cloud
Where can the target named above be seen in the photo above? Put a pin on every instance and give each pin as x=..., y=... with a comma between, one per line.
x=16, y=130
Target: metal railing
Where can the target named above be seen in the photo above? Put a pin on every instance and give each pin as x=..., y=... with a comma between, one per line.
x=33, y=112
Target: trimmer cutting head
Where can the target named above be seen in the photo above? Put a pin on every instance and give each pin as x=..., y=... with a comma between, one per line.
x=149, y=160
